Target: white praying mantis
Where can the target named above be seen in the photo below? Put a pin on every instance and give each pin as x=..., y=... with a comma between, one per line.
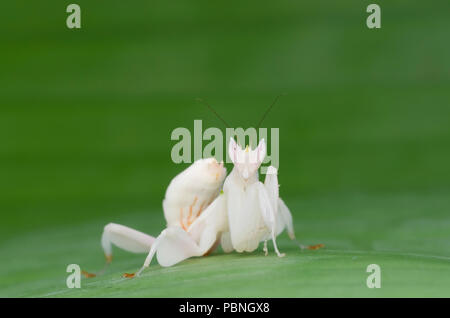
x=200, y=216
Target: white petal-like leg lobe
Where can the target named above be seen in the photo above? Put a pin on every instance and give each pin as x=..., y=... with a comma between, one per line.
x=125, y=238
x=271, y=184
x=266, y=206
x=285, y=216
x=269, y=214
x=225, y=242
x=213, y=219
x=174, y=244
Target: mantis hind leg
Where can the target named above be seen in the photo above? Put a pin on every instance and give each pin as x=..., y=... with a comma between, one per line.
x=125, y=238
x=285, y=217
x=268, y=201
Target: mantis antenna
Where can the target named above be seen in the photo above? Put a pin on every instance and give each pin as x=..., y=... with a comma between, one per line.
x=210, y=108
x=268, y=110
x=226, y=124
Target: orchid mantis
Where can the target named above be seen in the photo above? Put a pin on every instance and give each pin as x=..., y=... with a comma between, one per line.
x=200, y=216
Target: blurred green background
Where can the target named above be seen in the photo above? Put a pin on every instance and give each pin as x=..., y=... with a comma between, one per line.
x=86, y=117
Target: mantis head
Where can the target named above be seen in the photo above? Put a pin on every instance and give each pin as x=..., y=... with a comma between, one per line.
x=247, y=161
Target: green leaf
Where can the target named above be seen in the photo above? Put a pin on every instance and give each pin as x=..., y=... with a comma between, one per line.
x=363, y=230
